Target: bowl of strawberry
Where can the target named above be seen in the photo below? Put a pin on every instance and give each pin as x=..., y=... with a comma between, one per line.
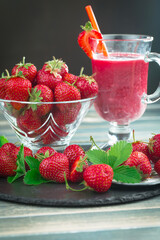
x=46, y=106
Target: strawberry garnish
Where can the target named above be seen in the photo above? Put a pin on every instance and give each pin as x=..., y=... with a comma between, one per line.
x=85, y=36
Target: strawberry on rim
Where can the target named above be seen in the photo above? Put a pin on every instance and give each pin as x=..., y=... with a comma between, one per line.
x=85, y=36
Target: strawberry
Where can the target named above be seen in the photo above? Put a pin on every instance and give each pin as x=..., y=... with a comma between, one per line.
x=53, y=134
x=140, y=147
x=7, y=160
x=3, y=86
x=54, y=167
x=29, y=121
x=141, y=162
x=8, y=148
x=49, y=131
x=56, y=66
x=49, y=79
x=157, y=167
x=151, y=157
x=66, y=92
x=11, y=110
x=85, y=36
x=87, y=86
x=70, y=78
x=41, y=93
x=51, y=73
x=154, y=146
x=73, y=152
x=27, y=152
x=77, y=169
x=44, y=152
x=66, y=117
x=18, y=88
x=28, y=70
x=98, y=177
x=49, y=137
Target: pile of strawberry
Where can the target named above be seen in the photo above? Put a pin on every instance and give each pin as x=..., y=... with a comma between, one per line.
x=96, y=169
x=52, y=83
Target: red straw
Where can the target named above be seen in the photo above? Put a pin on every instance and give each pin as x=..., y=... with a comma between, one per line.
x=92, y=18
x=94, y=23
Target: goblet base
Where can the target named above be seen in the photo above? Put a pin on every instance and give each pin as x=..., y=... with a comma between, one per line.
x=118, y=132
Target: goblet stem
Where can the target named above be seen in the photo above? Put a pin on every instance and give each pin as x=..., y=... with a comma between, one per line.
x=118, y=132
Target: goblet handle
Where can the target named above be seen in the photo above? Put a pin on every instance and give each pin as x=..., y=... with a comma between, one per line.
x=154, y=97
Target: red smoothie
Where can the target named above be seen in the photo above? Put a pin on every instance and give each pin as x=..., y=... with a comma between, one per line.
x=122, y=80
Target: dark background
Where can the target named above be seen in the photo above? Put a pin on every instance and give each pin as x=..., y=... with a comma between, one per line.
x=40, y=29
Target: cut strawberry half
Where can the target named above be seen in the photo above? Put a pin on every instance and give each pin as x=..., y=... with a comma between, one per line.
x=84, y=39
x=77, y=169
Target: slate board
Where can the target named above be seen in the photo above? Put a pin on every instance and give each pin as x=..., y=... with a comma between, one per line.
x=56, y=195
x=52, y=194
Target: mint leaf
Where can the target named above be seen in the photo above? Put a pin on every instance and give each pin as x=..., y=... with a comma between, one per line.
x=33, y=177
x=97, y=156
x=119, y=153
x=3, y=140
x=32, y=162
x=20, y=171
x=126, y=174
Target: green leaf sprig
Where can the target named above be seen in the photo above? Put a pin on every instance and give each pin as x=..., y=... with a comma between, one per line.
x=115, y=157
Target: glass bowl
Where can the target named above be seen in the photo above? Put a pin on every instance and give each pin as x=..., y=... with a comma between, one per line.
x=39, y=124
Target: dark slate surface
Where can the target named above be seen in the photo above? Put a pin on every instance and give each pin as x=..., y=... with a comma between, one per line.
x=52, y=194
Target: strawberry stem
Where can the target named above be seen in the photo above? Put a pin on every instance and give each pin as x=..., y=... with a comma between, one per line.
x=134, y=136
x=81, y=72
x=23, y=60
x=72, y=189
x=93, y=142
x=8, y=75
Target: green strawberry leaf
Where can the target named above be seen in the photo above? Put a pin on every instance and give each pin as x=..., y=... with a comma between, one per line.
x=97, y=156
x=126, y=174
x=20, y=171
x=33, y=177
x=119, y=153
x=3, y=140
x=11, y=179
x=32, y=162
x=20, y=161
